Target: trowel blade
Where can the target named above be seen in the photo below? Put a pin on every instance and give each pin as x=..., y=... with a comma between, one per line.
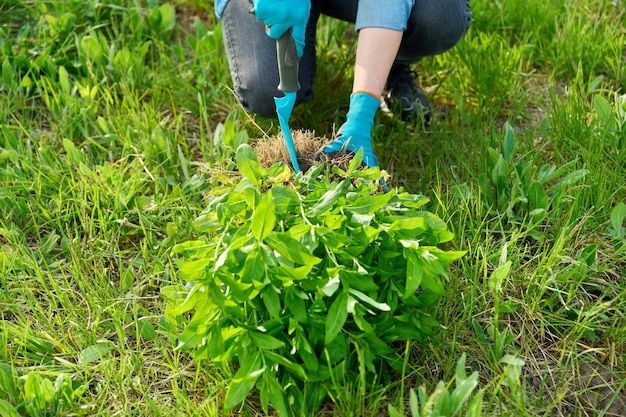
x=284, y=107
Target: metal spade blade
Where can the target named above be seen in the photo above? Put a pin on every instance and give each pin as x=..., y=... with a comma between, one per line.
x=289, y=85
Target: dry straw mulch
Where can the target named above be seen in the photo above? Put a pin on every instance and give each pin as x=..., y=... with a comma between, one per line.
x=273, y=149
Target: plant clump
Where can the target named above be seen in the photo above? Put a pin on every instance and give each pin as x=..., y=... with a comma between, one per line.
x=308, y=281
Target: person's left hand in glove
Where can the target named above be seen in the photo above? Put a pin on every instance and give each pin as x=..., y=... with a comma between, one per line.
x=355, y=133
x=280, y=15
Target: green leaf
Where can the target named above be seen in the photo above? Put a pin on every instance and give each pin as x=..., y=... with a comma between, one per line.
x=264, y=217
x=537, y=196
x=7, y=381
x=414, y=403
x=332, y=239
x=168, y=17
x=328, y=199
x=336, y=350
x=480, y=334
x=278, y=173
x=146, y=329
x=7, y=410
x=254, y=268
x=64, y=80
x=362, y=219
x=500, y=175
x=415, y=224
x=574, y=177
x=509, y=142
x=92, y=49
x=430, y=282
x=414, y=272
x=497, y=277
x=336, y=318
x=265, y=341
x=617, y=219
x=460, y=373
x=512, y=360
x=589, y=254
x=74, y=156
x=447, y=257
x=355, y=162
x=548, y=173
x=409, y=331
x=291, y=249
x=296, y=306
x=370, y=203
x=192, y=298
x=93, y=353
x=291, y=272
x=248, y=164
x=393, y=412
x=243, y=381
x=359, y=318
x=603, y=109
x=378, y=347
x=462, y=392
x=297, y=369
x=475, y=407
x=276, y=395
x=195, y=270
x=38, y=388
x=272, y=301
x=442, y=400
x=285, y=199
x=332, y=285
x=7, y=73
x=162, y=19
x=369, y=300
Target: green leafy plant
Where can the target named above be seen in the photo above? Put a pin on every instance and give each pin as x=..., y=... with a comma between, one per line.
x=162, y=20
x=614, y=117
x=442, y=402
x=618, y=214
x=227, y=138
x=309, y=280
x=35, y=395
x=612, y=123
x=522, y=191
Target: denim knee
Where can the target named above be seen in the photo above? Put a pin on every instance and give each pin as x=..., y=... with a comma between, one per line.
x=434, y=27
x=258, y=100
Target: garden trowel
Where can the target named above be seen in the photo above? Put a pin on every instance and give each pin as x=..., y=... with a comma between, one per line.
x=289, y=85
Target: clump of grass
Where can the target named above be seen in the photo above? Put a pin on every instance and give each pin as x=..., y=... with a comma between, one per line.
x=272, y=150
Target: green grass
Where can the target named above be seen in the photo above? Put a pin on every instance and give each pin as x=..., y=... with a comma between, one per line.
x=113, y=124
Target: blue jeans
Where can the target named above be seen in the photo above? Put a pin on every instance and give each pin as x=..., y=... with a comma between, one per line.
x=434, y=27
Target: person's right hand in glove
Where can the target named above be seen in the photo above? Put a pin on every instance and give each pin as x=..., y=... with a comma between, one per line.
x=280, y=15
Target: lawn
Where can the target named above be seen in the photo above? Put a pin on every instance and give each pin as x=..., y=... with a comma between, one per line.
x=118, y=123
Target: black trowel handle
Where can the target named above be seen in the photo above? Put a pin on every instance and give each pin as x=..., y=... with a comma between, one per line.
x=288, y=59
x=287, y=63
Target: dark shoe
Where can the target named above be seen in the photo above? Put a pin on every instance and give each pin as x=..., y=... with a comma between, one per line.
x=402, y=93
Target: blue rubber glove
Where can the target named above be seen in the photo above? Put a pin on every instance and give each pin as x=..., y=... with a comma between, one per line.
x=280, y=15
x=355, y=133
